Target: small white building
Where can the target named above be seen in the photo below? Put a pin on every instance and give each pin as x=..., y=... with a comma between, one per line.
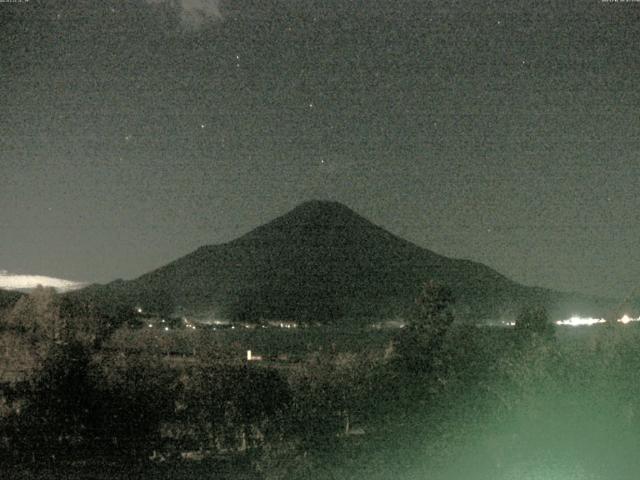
x=253, y=358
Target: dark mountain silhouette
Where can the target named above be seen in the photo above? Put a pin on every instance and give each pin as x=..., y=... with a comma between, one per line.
x=323, y=262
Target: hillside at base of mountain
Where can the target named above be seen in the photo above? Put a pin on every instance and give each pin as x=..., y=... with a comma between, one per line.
x=322, y=262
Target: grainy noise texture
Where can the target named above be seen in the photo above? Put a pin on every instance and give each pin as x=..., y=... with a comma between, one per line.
x=134, y=131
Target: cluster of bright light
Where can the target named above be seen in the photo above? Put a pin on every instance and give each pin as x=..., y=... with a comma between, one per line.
x=288, y=325
x=577, y=321
x=627, y=319
x=188, y=324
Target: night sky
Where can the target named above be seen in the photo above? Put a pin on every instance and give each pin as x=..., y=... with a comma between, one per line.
x=133, y=131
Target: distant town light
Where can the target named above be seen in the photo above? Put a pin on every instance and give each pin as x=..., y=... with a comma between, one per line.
x=166, y=329
x=627, y=319
x=577, y=321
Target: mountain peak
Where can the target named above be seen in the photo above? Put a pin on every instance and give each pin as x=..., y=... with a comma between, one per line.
x=315, y=219
x=324, y=211
x=320, y=206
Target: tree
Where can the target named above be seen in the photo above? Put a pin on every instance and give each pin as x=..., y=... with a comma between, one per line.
x=132, y=403
x=534, y=321
x=434, y=312
x=38, y=314
x=56, y=407
x=422, y=341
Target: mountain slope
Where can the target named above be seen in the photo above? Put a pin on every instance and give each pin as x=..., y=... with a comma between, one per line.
x=323, y=262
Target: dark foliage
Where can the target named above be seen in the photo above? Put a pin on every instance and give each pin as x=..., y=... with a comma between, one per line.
x=59, y=407
x=245, y=395
x=421, y=344
x=71, y=412
x=127, y=418
x=8, y=298
x=534, y=321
